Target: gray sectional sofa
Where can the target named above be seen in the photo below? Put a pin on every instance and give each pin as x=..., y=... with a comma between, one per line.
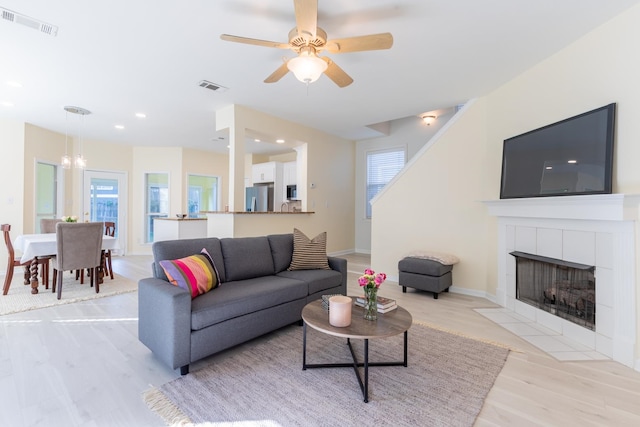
x=257, y=295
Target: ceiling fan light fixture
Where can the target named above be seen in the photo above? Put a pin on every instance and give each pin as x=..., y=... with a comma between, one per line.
x=307, y=67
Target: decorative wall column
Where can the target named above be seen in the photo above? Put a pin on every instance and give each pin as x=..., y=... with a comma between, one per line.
x=228, y=118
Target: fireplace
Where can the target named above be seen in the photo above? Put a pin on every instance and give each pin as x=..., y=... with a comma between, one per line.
x=592, y=230
x=564, y=289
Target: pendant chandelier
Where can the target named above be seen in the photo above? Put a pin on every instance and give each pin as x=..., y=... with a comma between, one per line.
x=80, y=162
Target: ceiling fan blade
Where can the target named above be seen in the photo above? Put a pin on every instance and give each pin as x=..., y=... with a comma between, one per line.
x=257, y=42
x=358, y=44
x=306, y=17
x=336, y=73
x=277, y=74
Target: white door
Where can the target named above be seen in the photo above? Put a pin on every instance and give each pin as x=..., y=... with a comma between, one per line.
x=105, y=199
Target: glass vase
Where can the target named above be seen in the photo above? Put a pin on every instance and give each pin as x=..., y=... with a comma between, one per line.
x=371, y=303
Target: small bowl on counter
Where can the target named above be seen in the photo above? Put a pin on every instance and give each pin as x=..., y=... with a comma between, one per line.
x=181, y=216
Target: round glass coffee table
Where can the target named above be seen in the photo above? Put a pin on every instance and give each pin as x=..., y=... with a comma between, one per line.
x=388, y=324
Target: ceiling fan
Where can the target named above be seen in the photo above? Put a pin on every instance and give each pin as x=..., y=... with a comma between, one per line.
x=307, y=40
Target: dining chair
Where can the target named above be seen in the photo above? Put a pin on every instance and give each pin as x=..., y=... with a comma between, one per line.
x=79, y=247
x=15, y=262
x=109, y=230
x=48, y=225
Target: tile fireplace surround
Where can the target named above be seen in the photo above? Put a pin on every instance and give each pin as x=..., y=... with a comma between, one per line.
x=597, y=230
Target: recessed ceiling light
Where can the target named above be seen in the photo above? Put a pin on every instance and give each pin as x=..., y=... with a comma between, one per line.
x=256, y=140
x=119, y=127
x=7, y=104
x=228, y=146
x=280, y=141
x=141, y=115
x=14, y=84
x=572, y=161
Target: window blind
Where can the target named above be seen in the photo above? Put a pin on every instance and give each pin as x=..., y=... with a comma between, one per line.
x=382, y=166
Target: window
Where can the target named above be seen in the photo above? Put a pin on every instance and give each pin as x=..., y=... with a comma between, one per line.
x=47, y=192
x=157, y=200
x=382, y=166
x=202, y=194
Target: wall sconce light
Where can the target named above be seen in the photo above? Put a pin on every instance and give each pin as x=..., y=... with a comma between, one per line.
x=428, y=119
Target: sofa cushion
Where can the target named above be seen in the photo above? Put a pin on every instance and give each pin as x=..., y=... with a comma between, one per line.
x=175, y=249
x=281, y=250
x=196, y=273
x=246, y=257
x=309, y=254
x=244, y=297
x=317, y=280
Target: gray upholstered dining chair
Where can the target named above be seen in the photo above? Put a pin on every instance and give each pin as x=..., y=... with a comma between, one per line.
x=48, y=225
x=79, y=246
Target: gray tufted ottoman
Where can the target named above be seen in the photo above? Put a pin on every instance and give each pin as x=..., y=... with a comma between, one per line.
x=424, y=274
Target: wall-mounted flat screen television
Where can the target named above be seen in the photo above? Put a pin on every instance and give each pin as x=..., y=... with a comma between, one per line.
x=570, y=157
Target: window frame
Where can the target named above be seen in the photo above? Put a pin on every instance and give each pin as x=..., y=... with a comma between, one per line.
x=148, y=215
x=215, y=193
x=367, y=197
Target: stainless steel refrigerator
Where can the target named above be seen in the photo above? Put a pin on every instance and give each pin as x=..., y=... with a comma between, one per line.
x=259, y=198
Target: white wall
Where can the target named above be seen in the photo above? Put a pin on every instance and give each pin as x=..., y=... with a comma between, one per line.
x=599, y=68
x=410, y=133
x=433, y=203
x=327, y=161
x=12, y=164
x=330, y=168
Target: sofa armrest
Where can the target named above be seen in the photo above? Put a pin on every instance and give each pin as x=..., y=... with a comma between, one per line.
x=164, y=321
x=340, y=265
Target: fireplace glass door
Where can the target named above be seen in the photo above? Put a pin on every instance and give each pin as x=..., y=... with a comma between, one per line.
x=565, y=289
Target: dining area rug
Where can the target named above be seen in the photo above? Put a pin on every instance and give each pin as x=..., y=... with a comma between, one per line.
x=19, y=298
x=261, y=383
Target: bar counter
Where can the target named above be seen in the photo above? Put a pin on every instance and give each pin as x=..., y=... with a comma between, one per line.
x=246, y=224
x=257, y=213
x=178, y=228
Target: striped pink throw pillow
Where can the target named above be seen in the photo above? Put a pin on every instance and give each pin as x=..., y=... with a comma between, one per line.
x=196, y=273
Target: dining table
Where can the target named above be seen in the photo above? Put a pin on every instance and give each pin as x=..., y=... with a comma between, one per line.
x=34, y=246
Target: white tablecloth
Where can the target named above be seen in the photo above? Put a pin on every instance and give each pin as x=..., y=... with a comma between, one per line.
x=33, y=245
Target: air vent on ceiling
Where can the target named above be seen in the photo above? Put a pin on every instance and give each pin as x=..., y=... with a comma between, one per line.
x=212, y=86
x=43, y=27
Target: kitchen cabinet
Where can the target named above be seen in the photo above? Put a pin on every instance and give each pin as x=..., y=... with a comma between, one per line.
x=265, y=172
x=271, y=172
x=289, y=173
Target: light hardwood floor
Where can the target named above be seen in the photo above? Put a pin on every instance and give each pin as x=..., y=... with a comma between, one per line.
x=82, y=365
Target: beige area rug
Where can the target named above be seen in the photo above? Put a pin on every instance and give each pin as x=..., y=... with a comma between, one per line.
x=20, y=298
x=262, y=383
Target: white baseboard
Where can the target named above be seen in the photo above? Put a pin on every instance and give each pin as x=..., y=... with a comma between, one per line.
x=340, y=253
x=473, y=293
x=363, y=251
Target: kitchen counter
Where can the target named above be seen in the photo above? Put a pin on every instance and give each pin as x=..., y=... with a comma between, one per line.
x=180, y=219
x=256, y=213
x=178, y=228
x=245, y=224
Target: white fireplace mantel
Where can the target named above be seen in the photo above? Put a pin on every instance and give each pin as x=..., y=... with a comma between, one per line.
x=602, y=207
x=595, y=230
